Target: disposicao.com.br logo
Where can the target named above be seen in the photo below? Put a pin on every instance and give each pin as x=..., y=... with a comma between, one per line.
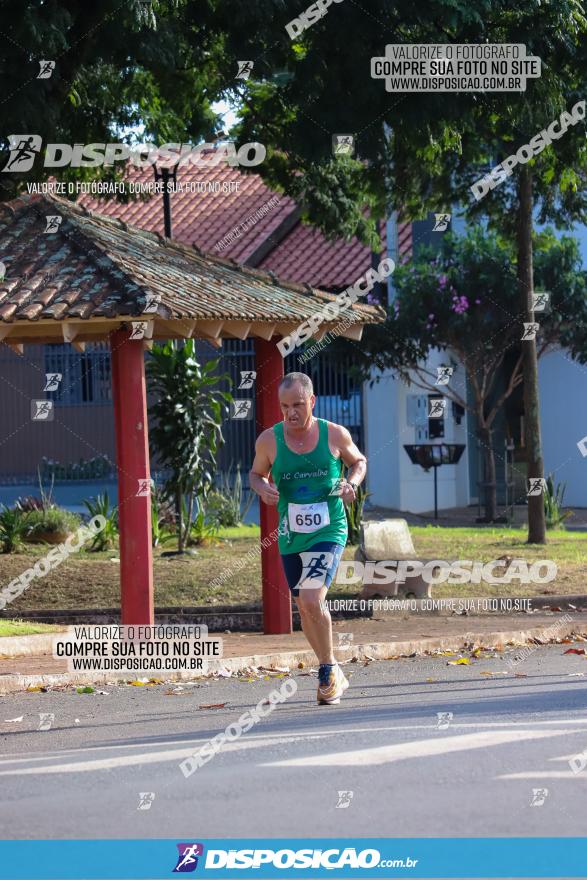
x=324, y=859
x=24, y=149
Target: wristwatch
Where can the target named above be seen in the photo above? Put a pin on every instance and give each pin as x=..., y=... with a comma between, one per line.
x=354, y=485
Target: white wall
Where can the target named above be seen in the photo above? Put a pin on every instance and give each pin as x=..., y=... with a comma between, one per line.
x=563, y=399
x=392, y=479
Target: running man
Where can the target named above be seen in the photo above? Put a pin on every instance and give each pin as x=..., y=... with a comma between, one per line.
x=305, y=458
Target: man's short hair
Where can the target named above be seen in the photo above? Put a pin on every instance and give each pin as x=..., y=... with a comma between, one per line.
x=298, y=378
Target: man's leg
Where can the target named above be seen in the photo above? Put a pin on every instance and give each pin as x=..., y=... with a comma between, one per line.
x=316, y=622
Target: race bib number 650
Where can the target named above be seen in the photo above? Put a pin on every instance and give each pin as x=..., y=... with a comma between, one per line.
x=308, y=517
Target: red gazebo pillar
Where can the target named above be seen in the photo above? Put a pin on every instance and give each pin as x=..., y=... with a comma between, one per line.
x=134, y=489
x=276, y=596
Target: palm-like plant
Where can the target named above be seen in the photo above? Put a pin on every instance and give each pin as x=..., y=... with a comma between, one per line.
x=187, y=424
x=14, y=524
x=100, y=506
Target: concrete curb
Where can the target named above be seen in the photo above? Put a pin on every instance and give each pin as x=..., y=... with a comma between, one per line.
x=25, y=646
x=375, y=651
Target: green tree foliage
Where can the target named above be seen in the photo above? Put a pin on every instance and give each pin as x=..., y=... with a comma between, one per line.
x=187, y=414
x=461, y=301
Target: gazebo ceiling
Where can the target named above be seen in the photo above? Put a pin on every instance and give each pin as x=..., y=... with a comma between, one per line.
x=94, y=274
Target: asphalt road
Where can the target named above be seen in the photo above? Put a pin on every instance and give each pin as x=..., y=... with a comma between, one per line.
x=498, y=767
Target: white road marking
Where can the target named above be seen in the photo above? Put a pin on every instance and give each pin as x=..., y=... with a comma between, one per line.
x=418, y=749
x=544, y=774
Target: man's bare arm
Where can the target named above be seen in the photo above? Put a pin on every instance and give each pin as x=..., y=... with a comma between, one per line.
x=260, y=470
x=355, y=461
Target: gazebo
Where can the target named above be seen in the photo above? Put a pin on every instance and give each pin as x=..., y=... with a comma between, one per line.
x=75, y=276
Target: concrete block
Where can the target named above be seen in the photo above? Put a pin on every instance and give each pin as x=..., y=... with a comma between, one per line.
x=388, y=539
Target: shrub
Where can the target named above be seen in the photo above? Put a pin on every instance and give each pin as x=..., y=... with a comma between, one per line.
x=354, y=515
x=55, y=521
x=100, y=506
x=13, y=527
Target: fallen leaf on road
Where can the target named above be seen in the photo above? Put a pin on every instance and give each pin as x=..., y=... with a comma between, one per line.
x=85, y=690
x=13, y=720
x=555, y=608
x=446, y=653
x=520, y=675
x=462, y=661
x=485, y=672
x=213, y=706
x=394, y=657
x=354, y=659
x=574, y=651
x=431, y=679
x=37, y=688
x=300, y=665
x=225, y=673
x=566, y=642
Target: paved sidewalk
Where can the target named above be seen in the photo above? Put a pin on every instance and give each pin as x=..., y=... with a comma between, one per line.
x=378, y=638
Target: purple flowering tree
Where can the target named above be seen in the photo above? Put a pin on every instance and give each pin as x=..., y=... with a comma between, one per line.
x=464, y=301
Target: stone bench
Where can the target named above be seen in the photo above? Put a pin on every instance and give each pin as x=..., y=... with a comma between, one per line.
x=390, y=540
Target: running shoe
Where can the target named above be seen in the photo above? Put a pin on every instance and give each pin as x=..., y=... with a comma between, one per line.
x=331, y=684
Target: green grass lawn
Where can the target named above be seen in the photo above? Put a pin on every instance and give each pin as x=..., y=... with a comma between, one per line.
x=91, y=580
x=21, y=628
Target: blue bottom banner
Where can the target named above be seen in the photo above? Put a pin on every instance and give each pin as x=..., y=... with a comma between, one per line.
x=530, y=857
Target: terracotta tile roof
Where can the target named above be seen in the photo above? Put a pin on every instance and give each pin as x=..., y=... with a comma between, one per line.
x=98, y=267
x=276, y=242
x=228, y=203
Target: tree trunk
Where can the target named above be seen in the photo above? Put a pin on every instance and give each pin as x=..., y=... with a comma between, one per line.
x=486, y=437
x=532, y=434
x=179, y=514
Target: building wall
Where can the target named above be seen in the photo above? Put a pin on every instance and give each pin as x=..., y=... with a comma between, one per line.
x=563, y=394
x=393, y=480
x=76, y=432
